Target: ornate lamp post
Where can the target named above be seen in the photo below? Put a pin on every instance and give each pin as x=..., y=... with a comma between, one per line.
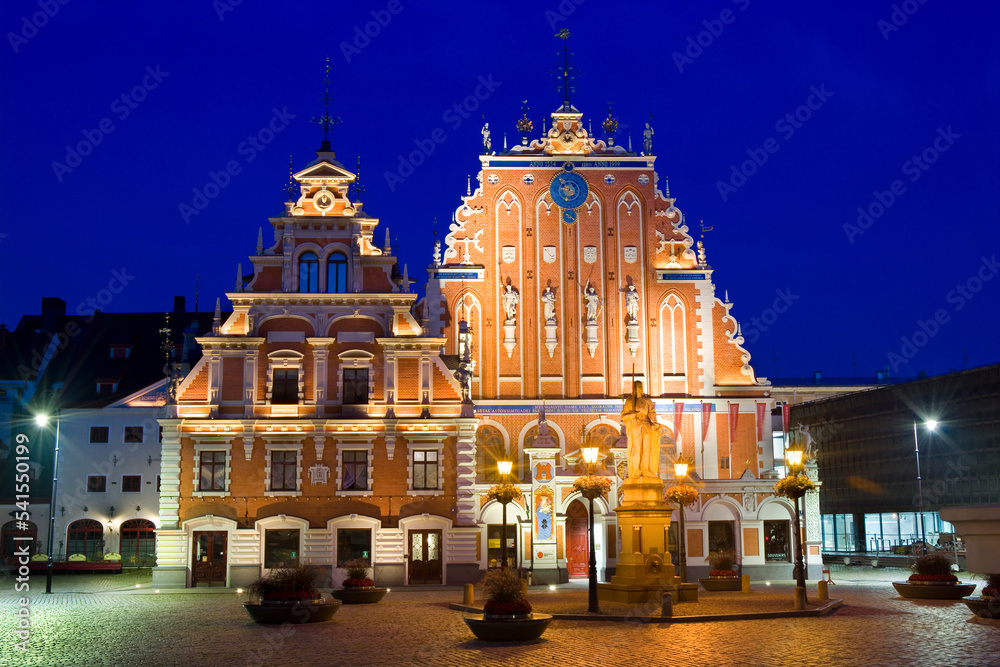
x=42, y=420
x=794, y=455
x=504, y=467
x=931, y=425
x=680, y=472
x=590, y=458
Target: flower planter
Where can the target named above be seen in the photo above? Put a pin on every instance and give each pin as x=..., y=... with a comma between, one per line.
x=278, y=612
x=500, y=628
x=929, y=590
x=360, y=595
x=984, y=607
x=722, y=583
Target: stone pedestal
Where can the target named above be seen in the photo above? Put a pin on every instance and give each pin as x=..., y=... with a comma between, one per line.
x=644, y=570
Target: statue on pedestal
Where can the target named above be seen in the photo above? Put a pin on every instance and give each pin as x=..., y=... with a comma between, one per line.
x=643, y=433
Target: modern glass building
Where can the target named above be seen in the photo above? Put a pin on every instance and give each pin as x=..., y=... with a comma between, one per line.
x=891, y=457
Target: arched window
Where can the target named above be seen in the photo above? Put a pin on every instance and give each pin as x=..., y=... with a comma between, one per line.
x=11, y=530
x=673, y=327
x=308, y=272
x=85, y=536
x=336, y=273
x=605, y=437
x=138, y=541
x=489, y=450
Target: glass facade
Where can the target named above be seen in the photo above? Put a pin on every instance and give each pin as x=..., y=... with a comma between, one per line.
x=886, y=532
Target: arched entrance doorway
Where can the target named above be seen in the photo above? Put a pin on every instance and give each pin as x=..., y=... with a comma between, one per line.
x=577, y=540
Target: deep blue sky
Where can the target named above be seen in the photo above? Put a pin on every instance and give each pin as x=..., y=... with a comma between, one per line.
x=783, y=229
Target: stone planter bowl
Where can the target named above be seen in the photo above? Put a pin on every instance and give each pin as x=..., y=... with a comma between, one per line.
x=933, y=591
x=508, y=630
x=276, y=613
x=366, y=595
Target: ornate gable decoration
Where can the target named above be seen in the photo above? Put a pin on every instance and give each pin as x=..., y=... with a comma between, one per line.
x=324, y=190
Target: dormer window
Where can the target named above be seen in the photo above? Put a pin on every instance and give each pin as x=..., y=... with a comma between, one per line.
x=285, y=378
x=336, y=273
x=285, y=390
x=309, y=272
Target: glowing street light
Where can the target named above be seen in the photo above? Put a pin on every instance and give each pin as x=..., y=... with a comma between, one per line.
x=590, y=455
x=681, y=466
x=504, y=467
x=931, y=425
x=795, y=455
x=42, y=420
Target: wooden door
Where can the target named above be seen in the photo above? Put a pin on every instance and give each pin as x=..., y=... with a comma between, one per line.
x=208, y=567
x=425, y=557
x=577, y=540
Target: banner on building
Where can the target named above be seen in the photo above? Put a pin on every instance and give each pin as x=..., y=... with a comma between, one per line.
x=761, y=414
x=786, y=417
x=706, y=419
x=678, y=416
x=734, y=416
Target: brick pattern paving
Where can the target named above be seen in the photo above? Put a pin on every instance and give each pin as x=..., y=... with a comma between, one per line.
x=139, y=627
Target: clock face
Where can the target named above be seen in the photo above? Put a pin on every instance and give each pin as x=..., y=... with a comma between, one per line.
x=569, y=216
x=568, y=190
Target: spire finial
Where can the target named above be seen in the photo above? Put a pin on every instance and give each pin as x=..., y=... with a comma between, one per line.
x=290, y=189
x=566, y=76
x=359, y=189
x=405, y=285
x=326, y=121
x=239, y=277
x=387, y=247
x=217, y=319
x=468, y=185
x=260, y=241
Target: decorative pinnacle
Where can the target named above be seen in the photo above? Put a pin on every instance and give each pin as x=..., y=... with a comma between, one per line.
x=326, y=121
x=359, y=190
x=524, y=125
x=291, y=179
x=566, y=77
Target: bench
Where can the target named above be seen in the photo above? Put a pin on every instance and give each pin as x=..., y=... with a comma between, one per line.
x=76, y=566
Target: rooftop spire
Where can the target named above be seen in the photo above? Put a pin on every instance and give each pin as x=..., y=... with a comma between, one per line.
x=567, y=76
x=290, y=188
x=217, y=320
x=359, y=190
x=326, y=121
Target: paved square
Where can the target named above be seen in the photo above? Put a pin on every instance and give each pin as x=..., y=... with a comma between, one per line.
x=133, y=626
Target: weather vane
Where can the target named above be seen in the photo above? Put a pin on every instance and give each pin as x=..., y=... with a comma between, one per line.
x=291, y=180
x=566, y=75
x=326, y=121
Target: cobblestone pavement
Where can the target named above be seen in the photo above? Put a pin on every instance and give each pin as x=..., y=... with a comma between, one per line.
x=139, y=627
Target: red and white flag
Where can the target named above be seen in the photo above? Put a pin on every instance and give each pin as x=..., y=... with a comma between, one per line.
x=761, y=413
x=734, y=415
x=706, y=419
x=786, y=417
x=678, y=416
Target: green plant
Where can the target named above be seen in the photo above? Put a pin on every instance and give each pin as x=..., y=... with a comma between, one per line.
x=357, y=573
x=722, y=563
x=933, y=567
x=682, y=494
x=592, y=486
x=992, y=587
x=504, y=594
x=504, y=493
x=297, y=582
x=793, y=486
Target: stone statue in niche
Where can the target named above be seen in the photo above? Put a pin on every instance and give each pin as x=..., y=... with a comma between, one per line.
x=549, y=305
x=593, y=303
x=632, y=304
x=510, y=299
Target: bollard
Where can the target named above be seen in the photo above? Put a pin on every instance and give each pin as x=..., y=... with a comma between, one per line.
x=822, y=590
x=524, y=587
x=470, y=595
x=745, y=584
x=667, y=609
x=800, y=598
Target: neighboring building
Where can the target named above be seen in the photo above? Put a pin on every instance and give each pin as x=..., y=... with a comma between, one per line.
x=322, y=424
x=101, y=377
x=866, y=443
x=565, y=275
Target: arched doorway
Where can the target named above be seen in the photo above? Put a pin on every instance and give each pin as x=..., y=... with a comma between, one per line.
x=11, y=530
x=138, y=542
x=577, y=540
x=85, y=536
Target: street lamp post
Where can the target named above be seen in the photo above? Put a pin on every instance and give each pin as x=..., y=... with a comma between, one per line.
x=931, y=425
x=504, y=467
x=590, y=458
x=794, y=455
x=42, y=420
x=680, y=472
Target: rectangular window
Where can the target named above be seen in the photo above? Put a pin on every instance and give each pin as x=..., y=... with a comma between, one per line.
x=100, y=435
x=494, y=542
x=281, y=548
x=724, y=463
x=97, y=483
x=133, y=434
x=285, y=386
x=355, y=385
x=283, y=471
x=212, y=471
x=353, y=543
x=425, y=469
x=131, y=483
x=776, y=544
x=355, y=470
x=721, y=536
x=157, y=483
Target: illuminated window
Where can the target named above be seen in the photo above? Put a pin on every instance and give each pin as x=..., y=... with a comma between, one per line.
x=425, y=469
x=284, y=473
x=212, y=471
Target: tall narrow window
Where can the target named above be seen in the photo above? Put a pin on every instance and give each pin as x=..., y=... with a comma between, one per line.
x=673, y=326
x=425, y=469
x=212, y=471
x=308, y=272
x=285, y=388
x=489, y=450
x=336, y=273
x=283, y=471
x=355, y=470
x=355, y=385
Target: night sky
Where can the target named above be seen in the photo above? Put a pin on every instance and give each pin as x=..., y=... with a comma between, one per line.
x=903, y=124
